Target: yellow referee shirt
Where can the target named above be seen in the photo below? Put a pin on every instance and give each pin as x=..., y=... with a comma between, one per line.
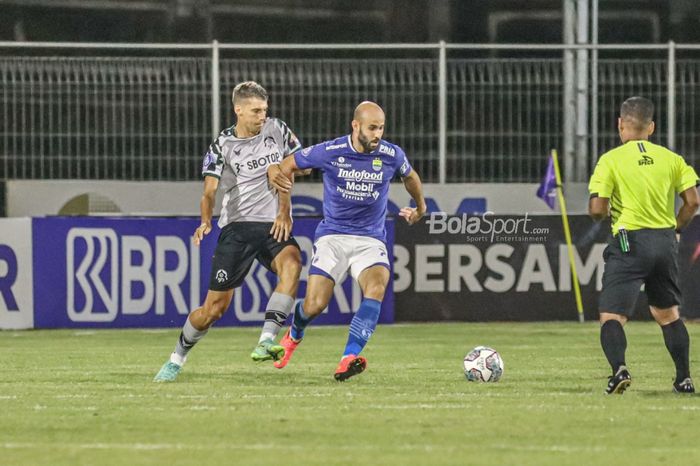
x=641, y=179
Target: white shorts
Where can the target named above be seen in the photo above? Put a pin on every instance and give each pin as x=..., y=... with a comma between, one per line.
x=335, y=254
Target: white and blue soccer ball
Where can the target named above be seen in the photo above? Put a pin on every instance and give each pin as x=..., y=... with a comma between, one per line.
x=483, y=364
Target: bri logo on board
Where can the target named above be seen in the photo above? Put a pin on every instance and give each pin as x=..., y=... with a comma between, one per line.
x=8, y=277
x=107, y=274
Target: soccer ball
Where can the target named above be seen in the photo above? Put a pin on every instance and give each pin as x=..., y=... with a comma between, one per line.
x=483, y=364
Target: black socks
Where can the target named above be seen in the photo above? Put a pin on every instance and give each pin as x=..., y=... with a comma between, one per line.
x=678, y=344
x=614, y=343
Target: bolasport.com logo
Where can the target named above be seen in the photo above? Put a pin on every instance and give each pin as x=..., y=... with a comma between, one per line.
x=108, y=275
x=487, y=227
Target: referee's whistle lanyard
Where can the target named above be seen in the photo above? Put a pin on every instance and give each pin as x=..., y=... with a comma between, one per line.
x=624, y=239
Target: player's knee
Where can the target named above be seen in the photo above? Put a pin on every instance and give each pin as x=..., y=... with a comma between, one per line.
x=314, y=305
x=291, y=270
x=375, y=291
x=665, y=316
x=214, y=311
x=606, y=316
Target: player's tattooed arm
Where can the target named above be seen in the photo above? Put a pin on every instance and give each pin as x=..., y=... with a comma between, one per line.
x=206, y=208
x=413, y=185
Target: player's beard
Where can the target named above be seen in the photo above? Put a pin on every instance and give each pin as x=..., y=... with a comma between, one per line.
x=366, y=143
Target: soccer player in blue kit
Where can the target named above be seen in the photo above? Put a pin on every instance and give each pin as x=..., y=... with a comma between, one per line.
x=357, y=169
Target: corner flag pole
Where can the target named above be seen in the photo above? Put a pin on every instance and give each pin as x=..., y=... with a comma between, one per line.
x=567, y=236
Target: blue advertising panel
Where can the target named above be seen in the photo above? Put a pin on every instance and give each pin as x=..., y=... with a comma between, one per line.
x=146, y=272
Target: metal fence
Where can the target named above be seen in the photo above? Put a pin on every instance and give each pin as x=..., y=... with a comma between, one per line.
x=98, y=118
x=484, y=119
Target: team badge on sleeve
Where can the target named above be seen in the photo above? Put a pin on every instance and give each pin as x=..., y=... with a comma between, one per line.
x=293, y=139
x=209, y=163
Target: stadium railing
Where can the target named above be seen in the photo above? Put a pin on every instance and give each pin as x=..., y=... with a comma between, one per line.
x=463, y=112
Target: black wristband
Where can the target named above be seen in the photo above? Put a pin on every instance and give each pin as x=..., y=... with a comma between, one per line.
x=678, y=231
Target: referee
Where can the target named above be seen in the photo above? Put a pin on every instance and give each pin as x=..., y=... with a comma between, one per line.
x=637, y=183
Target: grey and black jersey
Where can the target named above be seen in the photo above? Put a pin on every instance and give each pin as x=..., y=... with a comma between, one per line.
x=241, y=166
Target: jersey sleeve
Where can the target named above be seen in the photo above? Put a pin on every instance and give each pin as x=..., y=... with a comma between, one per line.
x=402, y=162
x=290, y=142
x=687, y=178
x=601, y=183
x=311, y=157
x=213, y=164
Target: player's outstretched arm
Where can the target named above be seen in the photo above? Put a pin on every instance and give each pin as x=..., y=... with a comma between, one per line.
x=302, y=172
x=206, y=208
x=277, y=179
x=413, y=185
x=288, y=167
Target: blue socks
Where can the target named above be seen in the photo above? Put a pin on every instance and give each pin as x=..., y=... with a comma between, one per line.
x=300, y=321
x=362, y=326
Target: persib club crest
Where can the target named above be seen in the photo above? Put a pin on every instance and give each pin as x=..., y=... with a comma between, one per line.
x=221, y=276
x=376, y=165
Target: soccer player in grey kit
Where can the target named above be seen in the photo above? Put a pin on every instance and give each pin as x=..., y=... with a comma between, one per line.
x=255, y=223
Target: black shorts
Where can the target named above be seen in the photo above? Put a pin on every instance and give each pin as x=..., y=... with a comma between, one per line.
x=239, y=244
x=652, y=261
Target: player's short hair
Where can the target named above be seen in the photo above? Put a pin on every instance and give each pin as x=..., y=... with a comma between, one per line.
x=247, y=90
x=637, y=110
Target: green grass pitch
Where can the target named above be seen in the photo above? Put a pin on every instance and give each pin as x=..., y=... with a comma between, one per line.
x=86, y=398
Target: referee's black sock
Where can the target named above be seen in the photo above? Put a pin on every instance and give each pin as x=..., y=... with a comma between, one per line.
x=678, y=344
x=614, y=343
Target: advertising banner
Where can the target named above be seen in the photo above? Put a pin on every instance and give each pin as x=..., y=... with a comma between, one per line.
x=689, y=265
x=146, y=272
x=16, y=306
x=488, y=267
x=65, y=272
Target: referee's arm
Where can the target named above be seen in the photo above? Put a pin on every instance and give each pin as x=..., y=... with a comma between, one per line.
x=691, y=202
x=598, y=207
x=601, y=188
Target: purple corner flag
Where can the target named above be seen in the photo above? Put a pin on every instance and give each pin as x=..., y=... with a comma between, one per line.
x=548, y=188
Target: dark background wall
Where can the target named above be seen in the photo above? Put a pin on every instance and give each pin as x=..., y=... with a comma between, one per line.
x=337, y=20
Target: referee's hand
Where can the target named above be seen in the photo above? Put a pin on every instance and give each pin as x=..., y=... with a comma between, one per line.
x=201, y=231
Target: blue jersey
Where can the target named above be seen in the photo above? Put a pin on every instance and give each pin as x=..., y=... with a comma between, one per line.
x=355, y=185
